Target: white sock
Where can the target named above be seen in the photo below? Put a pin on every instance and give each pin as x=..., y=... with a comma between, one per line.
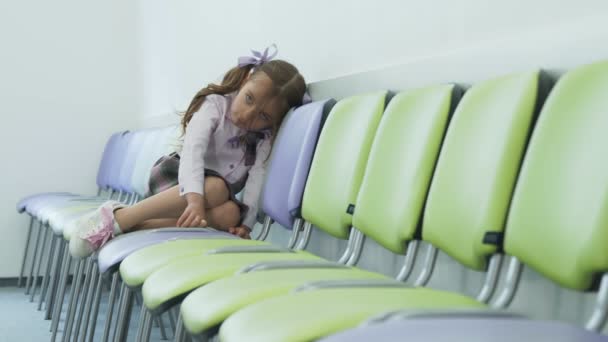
x=117, y=230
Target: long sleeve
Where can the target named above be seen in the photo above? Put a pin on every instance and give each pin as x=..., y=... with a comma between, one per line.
x=254, y=183
x=191, y=176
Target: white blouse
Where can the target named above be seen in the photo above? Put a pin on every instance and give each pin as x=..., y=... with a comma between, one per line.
x=206, y=146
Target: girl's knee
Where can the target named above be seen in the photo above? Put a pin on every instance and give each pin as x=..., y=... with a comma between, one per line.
x=216, y=186
x=225, y=216
x=233, y=208
x=232, y=213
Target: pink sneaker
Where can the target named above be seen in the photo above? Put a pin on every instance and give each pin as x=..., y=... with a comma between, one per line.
x=94, y=230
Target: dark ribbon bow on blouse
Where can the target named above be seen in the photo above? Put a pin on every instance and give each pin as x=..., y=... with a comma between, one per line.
x=249, y=141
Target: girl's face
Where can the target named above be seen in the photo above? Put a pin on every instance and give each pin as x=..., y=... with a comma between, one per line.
x=255, y=106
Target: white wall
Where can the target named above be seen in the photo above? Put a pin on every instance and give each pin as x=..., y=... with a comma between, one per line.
x=68, y=78
x=325, y=39
x=70, y=62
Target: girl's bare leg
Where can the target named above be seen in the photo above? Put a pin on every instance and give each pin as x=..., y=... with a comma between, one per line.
x=156, y=223
x=169, y=204
x=221, y=217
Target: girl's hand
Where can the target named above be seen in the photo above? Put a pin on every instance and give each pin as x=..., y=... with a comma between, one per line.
x=194, y=215
x=240, y=231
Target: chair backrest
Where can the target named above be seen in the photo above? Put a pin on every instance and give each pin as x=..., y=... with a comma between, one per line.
x=133, y=153
x=156, y=144
x=558, y=222
x=144, y=163
x=107, y=159
x=172, y=139
x=401, y=164
x=478, y=166
x=120, y=154
x=290, y=161
x=339, y=162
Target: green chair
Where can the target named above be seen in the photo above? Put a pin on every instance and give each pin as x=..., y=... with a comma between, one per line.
x=557, y=223
x=467, y=204
x=168, y=274
x=403, y=156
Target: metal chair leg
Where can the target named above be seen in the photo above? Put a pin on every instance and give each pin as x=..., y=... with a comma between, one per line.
x=180, y=331
x=76, y=281
x=88, y=304
x=65, y=271
x=120, y=301
x=27, y=247
x=39, y=263
x=85, y=297
x=172, y=320
x=147, y=327
x=33, y=261
x=161, y=325
x=95, y=311
x=141, y=322
x=124, y=315
x=111, y=300
x=47, y=272
x=51, y=294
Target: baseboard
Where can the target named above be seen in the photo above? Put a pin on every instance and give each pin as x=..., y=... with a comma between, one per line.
x=9, y=282
x=13, y=281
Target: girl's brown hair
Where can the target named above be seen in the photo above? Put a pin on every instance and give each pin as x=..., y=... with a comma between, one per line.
x=288, y=85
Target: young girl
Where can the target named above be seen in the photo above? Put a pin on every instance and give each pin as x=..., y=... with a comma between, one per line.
x=228, y=134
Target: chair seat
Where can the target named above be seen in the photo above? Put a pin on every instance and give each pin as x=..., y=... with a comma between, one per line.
x=37, y=205
x=181, y=277
x=468, y=329
x=310, y=315
x=122, y=246
x=44, y=211
x=136, y=267
x=61, y=218
x=26, y=201
x=209, y=305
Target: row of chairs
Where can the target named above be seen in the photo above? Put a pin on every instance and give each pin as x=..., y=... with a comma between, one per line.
x=122, y=175
x=511, y=169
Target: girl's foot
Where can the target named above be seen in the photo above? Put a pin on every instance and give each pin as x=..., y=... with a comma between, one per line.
x=94, y=230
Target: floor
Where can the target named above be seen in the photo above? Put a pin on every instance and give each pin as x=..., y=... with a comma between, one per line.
x=21, y=321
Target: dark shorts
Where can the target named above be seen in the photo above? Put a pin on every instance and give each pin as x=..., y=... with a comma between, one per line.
x=164, y=175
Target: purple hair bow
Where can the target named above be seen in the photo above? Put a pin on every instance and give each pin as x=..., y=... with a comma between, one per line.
x=258, y=57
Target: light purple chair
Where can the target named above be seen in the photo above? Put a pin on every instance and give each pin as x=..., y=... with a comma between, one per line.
x=107, y=159
x=127, y=150
x=121, y=157
x=132, y=152
x=42, y=206
x=479, y=329
x=34, y=204
x=112, y=155
x=281, y=196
